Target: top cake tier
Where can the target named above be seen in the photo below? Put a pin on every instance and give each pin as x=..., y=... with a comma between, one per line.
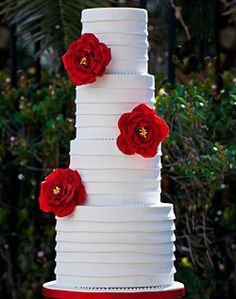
x=124, y=30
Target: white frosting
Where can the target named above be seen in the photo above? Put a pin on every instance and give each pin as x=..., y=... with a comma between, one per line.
x=162, y=249
x=111, y=162
x=112, y=257
x=118, y=269
x=152, y=227
x=100, y=105
x=118, y=39
x=140, y=238
x=111, y=14
x=93, y=147
x=125, y=27
x=116, y=246
x=125, y=32
x=120, y=82
x=97, y=188
x=112, y=178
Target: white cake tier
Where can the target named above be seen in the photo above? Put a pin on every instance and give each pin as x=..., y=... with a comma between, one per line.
x=100, y=105
x=125, y=32
x=114, y=179
x=116, y=247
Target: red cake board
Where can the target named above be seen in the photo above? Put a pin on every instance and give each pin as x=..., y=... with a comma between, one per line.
x=177, y=290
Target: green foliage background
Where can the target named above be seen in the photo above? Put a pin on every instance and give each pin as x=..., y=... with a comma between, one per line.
x=199, y=157
x=199, y=164
x=199, y=178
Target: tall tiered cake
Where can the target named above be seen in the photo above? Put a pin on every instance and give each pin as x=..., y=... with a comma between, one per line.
x=121, y=239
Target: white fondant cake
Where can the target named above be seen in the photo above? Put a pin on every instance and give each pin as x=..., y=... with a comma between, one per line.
x=123, y=236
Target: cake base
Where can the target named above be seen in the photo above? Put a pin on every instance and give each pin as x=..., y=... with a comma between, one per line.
x=176, y=290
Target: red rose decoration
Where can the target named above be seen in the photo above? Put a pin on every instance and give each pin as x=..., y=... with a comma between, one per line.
x=61, y=191
x=141, y=131
x=86, y=59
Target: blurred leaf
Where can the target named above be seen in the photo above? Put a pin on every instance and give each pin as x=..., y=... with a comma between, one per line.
x=53, y=22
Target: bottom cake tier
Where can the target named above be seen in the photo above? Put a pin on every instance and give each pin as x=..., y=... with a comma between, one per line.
x=116, y=247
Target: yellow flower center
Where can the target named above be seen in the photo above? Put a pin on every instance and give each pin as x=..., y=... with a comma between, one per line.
x=143, y=132
x=83, y=61
x=56, y=190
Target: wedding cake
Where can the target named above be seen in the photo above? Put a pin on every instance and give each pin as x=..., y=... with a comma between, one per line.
x=113, y=234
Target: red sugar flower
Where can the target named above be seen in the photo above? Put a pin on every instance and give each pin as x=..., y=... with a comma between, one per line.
x=61, y=191
x=86, y=59
x=141, y=131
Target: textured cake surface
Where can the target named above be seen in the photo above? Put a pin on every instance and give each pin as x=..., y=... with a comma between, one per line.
x=124, y=30
x=123, y=236
x=100, y=105
x=116, y=247
x=115, y=179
